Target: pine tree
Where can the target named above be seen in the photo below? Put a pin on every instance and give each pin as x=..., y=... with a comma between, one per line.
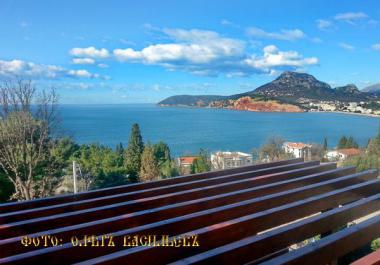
x=342, y=142
x=325, y=145
x=201, y=163
x=133, y=153
x=149, y=170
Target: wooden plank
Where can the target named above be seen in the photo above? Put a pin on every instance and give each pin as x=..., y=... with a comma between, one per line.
x=336, y=245
x=12, y=246
x=216, y=235
x=92, y=214
x=254, y=247
x=68, y=254
x=370, y=259
x=17, y=206
x=112, y=199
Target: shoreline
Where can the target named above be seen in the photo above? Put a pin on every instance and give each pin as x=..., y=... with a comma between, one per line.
x=306, y=111
x=349, y=113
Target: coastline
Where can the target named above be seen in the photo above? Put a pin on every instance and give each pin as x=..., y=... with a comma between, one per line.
x=349, y=113
x=207, y=107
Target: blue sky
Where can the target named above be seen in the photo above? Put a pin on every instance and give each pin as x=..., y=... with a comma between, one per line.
x=143, y=51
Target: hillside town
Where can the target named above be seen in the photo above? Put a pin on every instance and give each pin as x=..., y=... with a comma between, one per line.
x=226, y=159
x=362, y=107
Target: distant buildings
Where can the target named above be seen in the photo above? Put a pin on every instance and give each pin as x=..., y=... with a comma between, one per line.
x=298, y=150
x=224, y=160
x=342, y=154
x=184, y=163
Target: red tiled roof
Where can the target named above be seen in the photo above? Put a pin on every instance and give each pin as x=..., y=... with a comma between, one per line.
x=297, y=145
x=187, y=159
x=349, y=151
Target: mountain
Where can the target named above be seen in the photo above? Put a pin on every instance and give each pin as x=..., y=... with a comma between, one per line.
x=295, y=85
x=289, y=87
x=190, y=100
x=372, y=89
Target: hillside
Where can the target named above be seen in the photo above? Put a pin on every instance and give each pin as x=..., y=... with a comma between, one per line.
x=372, y=89
x=289, y=88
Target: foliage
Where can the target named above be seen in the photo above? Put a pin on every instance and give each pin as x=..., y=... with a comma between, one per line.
x=28, y=122
x=370, y=158
x=201, y=163
x=6, y=188
x=149, y=169
x=272, y=150
x=325, y=144
x=345, y=142
x=133, y=153
x=100, y=166
x=375, y=244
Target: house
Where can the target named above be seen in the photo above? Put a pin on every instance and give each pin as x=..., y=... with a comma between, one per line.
x=224, y=160
x=342, y=154
x=298, y=150
x=184, y=163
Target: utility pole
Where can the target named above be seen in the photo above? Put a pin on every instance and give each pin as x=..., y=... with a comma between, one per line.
x=75, y=176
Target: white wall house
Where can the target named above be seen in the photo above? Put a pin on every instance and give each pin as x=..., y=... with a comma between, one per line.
x=298, y=150
x=342, y=154
x=224, y=160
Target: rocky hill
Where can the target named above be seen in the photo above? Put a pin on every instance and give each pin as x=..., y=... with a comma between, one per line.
x=372, y=89
x=289, y=88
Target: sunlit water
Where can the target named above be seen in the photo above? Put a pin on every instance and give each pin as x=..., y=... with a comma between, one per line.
x=186, y=130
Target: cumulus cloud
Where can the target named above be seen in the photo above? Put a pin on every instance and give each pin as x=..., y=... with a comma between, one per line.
x=285, y=34
x=21, y=68
x=273, y=58
x=350, y=17
x=191, y=46
x=376, y=46
x=323, y=24
x=208, y=53
x=90, y=52
x=346, y=46
x=83, y=61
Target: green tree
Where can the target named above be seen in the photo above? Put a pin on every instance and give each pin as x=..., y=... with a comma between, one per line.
x=28, y=123
x=325, y=145
x=342, y=142
x=368, y=159
x=132, y=161
x=201, y=163
x=100, y=166
x=161, y=152
x=351, y=143
x=149, y=169
x=165, y=164
x=272, y=150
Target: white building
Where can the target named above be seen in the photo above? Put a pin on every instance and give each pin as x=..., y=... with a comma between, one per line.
x=224, y=160
x=298, y=150
x=342, y=154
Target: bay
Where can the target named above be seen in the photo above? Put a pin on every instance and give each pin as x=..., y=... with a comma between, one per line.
x=186, y=130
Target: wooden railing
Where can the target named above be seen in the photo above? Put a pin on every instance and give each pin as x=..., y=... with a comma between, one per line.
x=243, y=215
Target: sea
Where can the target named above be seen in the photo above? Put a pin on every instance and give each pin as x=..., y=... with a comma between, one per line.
x=186, y=130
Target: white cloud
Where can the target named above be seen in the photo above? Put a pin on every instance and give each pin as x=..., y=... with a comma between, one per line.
x=323, y=24
x=346, y=46
x=83, y=61
x=90, y=52
x=207, y=53
x=80, y=73
x=21, y=68
x=273, y=58
x=191, y=46
x=350, y=17
x=103, y=65
x=284, y=34
x=376, y=46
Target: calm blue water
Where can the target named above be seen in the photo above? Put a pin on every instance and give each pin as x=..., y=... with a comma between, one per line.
x=188, y=129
